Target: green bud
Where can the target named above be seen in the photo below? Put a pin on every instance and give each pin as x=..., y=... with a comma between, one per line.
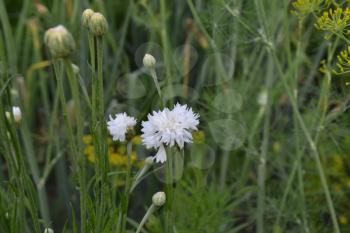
x=59, y=41
x=98, y=24
x=85, y=18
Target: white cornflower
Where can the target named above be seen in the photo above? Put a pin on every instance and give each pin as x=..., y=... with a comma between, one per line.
x=118, y=126
x=169, y=127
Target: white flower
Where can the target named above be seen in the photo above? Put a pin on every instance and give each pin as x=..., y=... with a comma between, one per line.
x=169, y=127
x=17, y=114
x=118, y=126
x=48, y=230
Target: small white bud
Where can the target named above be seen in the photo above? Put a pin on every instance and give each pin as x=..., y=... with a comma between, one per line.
x=262, y=98
x=48, y=230
x=17, y=114
x=75, y=68
x=159, y=199
x=149, y=61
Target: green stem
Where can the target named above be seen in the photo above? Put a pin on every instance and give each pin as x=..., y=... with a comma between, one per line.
x=126, y=196
x=60, y=89
x=311, y=143
x=81, y=161
x=34, y=169
x=264, y=151
x=149, y=212
x=10, y=42
x=223, y=169
x=100, y=133
x=169, y=215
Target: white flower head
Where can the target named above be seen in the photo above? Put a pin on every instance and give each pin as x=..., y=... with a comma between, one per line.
x=169, y=128
x=119, y=126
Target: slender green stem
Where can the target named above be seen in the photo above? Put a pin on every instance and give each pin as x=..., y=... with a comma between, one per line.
x=264, y=151
x=34, y=169
x=223, y=170
x=81, y=161
x=60, y=89
x=10, y=42
x=156, y=83
x=165, y=43
x=126, y=195
x=311, y=143
x=149, y=212
x=169, y=215
x=100, y=133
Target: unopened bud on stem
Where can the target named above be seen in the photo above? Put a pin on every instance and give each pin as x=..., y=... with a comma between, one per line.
x=85, y=18
x=149, y=61
x=159, y=199
x=59, y=41
x=98, y=24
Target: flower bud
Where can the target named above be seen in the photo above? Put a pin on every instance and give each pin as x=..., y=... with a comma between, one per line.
x=59, y=41
x=262, y=98
x=75, y=69
x=85, y=18
x=159, y=199
x=149, y=61
x=48, y=230
x=98, y=24
x=17, y=114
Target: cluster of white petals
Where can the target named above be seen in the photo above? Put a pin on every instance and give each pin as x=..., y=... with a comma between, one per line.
x=169, y=128
x=119, y=126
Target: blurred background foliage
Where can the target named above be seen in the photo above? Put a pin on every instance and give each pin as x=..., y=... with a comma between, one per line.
x=215, y=56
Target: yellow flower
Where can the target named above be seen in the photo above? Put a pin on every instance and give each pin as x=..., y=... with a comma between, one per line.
x=117, y=156
x=117, y=159
x=87, y=139
x=90, y=153
x=304, y=7
x=343, y=63
x=334, y=21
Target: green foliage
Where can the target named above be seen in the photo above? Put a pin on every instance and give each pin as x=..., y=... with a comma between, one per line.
x=272, y=151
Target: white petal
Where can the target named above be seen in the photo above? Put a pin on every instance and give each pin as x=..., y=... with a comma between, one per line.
x=161, y=155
